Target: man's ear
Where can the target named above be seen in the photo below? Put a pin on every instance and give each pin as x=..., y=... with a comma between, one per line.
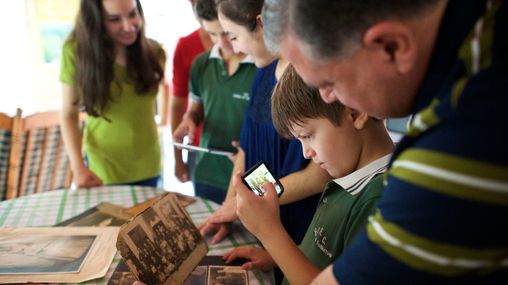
x=396, y=43
x=358, y=118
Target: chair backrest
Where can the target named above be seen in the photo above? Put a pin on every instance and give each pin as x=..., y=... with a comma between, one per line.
x=38, y=161
x=6, y=124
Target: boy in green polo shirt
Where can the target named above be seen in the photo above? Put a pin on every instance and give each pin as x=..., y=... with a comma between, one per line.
x=353, y=147
x=220, y=84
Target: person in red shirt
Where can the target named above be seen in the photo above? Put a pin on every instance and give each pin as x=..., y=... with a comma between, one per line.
x=186, y=50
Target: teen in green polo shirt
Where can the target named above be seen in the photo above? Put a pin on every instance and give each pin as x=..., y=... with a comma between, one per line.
x=352, y=147
x=220, y=85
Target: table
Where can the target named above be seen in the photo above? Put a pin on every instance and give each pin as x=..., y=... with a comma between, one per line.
x=53, y=207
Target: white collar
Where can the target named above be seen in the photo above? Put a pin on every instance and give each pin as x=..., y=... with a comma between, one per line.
x=214, y=53
x=356, y=181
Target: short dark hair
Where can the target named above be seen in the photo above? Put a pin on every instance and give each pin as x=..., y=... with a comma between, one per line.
x=294, y=102
x=242, y=12
x=330, y=28
x=206, y=10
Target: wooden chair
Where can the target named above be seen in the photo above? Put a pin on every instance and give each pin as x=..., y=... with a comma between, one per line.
x=6, y=125
x=38, y=161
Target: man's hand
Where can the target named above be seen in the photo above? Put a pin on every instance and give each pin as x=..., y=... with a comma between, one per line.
x=260, y=259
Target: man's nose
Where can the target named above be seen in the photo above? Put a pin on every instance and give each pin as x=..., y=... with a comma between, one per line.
x=328, y=94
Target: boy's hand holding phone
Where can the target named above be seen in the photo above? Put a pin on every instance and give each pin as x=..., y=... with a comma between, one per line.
x=259, y=214
x=259, y=174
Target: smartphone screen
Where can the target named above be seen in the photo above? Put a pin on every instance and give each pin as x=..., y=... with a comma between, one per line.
x=258, y=175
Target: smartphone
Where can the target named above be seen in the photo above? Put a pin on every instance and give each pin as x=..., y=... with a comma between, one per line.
x=258, y=175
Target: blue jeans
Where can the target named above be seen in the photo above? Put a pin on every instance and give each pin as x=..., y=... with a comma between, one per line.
x=209, y=192
x=151, y=182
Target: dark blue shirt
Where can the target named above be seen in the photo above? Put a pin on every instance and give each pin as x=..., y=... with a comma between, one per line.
x=260, y=141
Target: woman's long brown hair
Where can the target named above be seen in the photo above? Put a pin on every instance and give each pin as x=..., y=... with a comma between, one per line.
x=95, y=58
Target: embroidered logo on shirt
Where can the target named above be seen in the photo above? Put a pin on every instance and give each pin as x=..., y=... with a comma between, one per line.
x=320, y=241
x=245, y=96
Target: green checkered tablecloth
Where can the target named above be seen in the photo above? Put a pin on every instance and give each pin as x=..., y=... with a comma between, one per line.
x=53, y=207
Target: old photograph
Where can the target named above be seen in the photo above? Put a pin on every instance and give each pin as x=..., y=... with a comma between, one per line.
x=161, y=243
x=55, y=254
x=184, y=200
x=47, y=254
x=227, y=275
x=197, y=276
x=102, y=215
x=122, y=275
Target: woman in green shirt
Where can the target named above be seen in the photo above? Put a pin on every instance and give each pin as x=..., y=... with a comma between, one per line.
x=113, y=71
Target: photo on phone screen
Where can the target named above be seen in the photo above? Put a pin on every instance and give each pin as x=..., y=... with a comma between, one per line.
x=258, y=175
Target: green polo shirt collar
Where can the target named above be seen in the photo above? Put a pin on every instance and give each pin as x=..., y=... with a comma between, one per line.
x=214, y=53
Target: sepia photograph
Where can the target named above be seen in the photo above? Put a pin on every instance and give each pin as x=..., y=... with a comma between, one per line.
x=122, y=278
x=197, y=276
x=227, y=275
x=122, y=275
x=55, y=254
x=102, y=215
x=184, y=200
x=161, y=244
x=47, y=254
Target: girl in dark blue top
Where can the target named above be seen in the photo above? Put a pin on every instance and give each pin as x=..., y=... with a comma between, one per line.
x=259, y=140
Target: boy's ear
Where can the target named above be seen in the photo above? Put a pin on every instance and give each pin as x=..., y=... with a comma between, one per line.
x=358, y=118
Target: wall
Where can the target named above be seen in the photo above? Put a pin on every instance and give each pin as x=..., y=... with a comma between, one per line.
x=29, y=66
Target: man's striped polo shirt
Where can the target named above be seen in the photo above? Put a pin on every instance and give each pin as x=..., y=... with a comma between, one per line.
x=444, y=215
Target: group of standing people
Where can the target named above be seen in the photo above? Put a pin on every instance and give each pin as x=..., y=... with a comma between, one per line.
x=300, y=80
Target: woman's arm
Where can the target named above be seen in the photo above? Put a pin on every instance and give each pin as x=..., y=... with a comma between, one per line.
x=71, y=133
x=304, y=183
x=227, y=212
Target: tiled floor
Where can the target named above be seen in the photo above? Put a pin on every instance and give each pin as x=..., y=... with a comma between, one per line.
x=169, y=180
